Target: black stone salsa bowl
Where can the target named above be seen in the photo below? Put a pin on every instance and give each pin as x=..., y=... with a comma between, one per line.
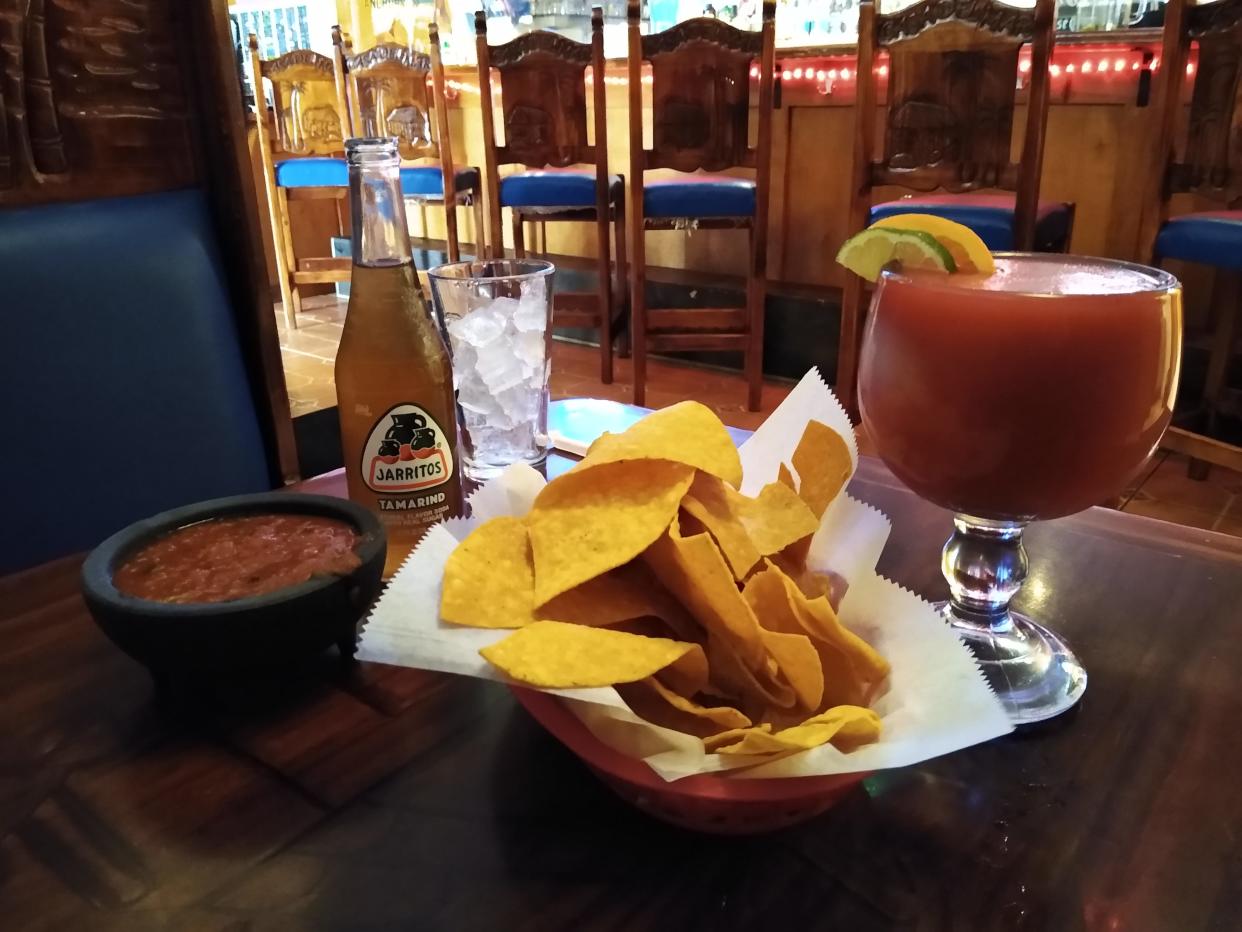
x=263, y=631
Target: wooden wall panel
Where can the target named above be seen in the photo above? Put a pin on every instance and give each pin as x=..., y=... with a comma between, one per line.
x=93, y=99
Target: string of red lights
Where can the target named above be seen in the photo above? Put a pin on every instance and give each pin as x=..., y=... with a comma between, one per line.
x=1101, y=63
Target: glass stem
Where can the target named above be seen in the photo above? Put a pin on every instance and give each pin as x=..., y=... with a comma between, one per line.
x=985, y=564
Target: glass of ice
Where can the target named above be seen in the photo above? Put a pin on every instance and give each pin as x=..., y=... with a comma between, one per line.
x=497, y=317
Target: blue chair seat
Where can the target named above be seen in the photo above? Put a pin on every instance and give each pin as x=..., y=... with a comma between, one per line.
x=554, y=188
x=1211, y=237
x=989, y=215
x=316, y=172
x=699, y=196
x=428, y=180
x=416, y=180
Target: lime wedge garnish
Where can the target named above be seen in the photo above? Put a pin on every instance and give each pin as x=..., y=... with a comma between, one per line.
x=970, y=253
x=867, y=253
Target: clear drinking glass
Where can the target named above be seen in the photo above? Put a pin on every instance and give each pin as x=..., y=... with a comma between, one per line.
x=497, y=317
x=1029, y=394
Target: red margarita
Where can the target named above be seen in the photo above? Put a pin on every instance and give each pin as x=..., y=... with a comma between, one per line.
x=1034, y=392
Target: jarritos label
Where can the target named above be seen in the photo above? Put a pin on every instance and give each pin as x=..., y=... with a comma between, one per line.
x=406, y=451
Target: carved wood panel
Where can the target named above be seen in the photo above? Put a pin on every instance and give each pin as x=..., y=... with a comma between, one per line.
x=950, y=119
x=543, y=100
x=305, y=107
x=701, y=95
x=393, y=98
x=981, y=18
x=1212, y=162
x=93, y=99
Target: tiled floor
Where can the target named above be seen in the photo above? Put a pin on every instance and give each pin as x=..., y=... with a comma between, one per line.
x=1163, y=490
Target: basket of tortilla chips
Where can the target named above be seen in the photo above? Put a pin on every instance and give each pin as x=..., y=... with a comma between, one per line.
x=676, y=625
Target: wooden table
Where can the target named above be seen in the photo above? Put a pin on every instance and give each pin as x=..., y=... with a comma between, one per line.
x=377, y=798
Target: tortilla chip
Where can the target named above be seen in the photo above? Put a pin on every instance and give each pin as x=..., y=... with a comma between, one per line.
x=819, y=619
x=629, y=591
x=693, y=569
x=822, y=460
x=687, y=433
x=781, y=607
x=751, y=690
x=553, y=655
x=798, y=663
x=652, y=700
x=712, y=742
x=846, y=727
x=489, y=579
x=584, y=524
x=785, y=478
x=776, y=519
x=709, y=504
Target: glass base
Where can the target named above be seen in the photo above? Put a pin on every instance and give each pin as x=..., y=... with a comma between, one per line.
x=481, y=472
x=1032, y=670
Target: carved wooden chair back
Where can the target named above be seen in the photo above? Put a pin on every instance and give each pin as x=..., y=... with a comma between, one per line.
x=952, y=78
x=543, y=107
x=1207, y=161
x=307, y=115
x=389, y=97
x=700, y=95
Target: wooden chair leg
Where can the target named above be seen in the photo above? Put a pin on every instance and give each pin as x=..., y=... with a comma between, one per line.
x=450, y=230
x=286, y=261
x=621, y=292
x=756, y=299
x=480, y=236
x=604, y=272
x=1226, y=291
x=638, y=312
x=519, y=236
x=851, y=344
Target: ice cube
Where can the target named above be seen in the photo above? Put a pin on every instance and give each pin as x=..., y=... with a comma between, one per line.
x=499, y=366
x=531, y=347
x=478, y=328
x=531, y=313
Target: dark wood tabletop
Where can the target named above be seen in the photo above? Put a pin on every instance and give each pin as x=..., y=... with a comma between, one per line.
x=372, y=798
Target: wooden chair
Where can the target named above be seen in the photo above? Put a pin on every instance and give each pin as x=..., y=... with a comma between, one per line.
x=387, y=96
x=139, y=338
x=700, y=123
x=543, y=102
x=1209, y=166
x=952, y=78
x=306, y=129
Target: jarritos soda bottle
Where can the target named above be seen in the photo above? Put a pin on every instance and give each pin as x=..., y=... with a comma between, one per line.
x=394, y=380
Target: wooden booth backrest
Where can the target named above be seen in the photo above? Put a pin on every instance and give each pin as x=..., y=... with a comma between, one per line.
x=142, y=369
x=543, y=96
x=953, y=72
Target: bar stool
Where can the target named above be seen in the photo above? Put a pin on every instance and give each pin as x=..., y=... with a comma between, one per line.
x=307, y=128
x=387, y=96
x=543, y=102
x=700, y=116
x=1209, y=167
x=952, y=78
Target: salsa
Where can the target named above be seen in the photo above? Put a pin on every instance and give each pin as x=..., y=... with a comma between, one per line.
x=223, y=559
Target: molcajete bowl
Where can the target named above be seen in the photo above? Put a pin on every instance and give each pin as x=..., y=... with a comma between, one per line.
x=270, y=630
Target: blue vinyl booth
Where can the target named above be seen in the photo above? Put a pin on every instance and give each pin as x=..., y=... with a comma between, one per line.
x=124, y=385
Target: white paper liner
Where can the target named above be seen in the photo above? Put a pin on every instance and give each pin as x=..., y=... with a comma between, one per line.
x=937, y=699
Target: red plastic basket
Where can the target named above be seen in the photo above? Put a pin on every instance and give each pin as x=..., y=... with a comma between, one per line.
x=704, y=802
